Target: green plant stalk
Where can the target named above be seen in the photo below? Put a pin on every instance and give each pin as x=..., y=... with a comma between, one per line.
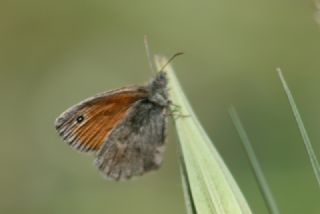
x=262, y=183
x=187, y=189
x=312, y=156
x=212, y=186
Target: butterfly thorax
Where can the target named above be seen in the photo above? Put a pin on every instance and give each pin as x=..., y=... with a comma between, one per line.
x=157, y=88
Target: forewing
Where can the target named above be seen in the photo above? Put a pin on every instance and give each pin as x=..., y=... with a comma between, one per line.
x=86, y=125
x=136, y=144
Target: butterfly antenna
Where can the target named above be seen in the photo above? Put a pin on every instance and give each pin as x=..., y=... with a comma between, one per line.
x=170, y=60
x=148, y=52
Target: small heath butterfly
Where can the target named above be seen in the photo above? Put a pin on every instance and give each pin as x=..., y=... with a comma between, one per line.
x=124, y=128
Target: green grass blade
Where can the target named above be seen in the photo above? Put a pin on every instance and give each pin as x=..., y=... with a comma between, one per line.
x=312, y=156
x=187, y=189
x=213, y=189
x=262, y=183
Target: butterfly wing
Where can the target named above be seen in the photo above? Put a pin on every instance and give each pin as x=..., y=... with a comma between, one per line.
x=86, y=125
x=136, y=144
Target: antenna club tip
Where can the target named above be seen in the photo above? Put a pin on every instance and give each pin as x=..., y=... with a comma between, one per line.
x=179, y=53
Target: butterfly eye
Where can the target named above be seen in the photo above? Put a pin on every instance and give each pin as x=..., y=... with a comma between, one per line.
x=80, y=118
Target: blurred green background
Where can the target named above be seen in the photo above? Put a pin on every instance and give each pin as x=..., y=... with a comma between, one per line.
x=55, y=53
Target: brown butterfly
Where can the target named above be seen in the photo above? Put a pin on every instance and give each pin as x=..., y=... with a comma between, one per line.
x=124, y=128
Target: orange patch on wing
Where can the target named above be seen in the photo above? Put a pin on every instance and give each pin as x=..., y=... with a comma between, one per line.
x=100, y=115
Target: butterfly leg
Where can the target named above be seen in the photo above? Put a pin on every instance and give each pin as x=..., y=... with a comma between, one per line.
x=175, y=111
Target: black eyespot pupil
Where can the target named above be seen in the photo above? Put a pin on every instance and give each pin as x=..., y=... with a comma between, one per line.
x=80, y=119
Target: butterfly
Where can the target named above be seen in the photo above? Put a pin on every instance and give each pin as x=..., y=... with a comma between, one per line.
x=123, y=128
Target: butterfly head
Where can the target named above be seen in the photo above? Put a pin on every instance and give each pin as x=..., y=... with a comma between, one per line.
x=160, y=81
x=158, y=89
